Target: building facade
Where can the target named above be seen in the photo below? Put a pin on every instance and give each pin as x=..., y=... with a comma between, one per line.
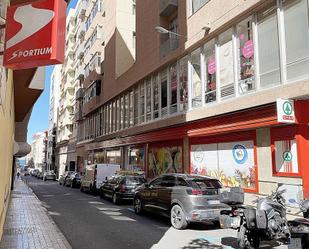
x=53, y=116
x=39, y=150
x=204, y=101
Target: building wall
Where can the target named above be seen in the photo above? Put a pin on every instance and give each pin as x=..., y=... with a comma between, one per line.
x=7, y=117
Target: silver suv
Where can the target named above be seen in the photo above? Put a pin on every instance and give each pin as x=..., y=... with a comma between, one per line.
x=184, y=198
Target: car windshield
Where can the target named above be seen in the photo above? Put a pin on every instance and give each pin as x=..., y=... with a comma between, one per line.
x=132, y=180
x=205, y=183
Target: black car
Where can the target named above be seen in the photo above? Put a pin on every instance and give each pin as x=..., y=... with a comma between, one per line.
x=73, y=180
x=182, y=197
x=121, y=187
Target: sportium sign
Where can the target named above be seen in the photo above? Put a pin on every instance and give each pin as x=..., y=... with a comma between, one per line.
x=35, y=34
x=285, y=111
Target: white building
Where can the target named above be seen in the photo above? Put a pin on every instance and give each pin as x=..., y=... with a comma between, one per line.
x=38, y=150
x=53, y=115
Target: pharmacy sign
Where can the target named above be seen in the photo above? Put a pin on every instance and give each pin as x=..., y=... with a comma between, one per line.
x=285, y=111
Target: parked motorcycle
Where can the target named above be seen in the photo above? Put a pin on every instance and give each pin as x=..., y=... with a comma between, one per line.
x=266, y=222
x=299, y=228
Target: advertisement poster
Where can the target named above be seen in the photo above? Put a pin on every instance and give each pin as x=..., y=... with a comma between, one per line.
x=286, y=156
x=232, y=163
x=136, y=159
x=164, y=160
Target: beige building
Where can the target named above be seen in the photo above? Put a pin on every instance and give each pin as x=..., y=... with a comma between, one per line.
x=39, y=150
x=19, y=91
x=201, y=95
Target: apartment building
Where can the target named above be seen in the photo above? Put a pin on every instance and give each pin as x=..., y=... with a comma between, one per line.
x=39, y=150
x=53, y=116
x=203, y=97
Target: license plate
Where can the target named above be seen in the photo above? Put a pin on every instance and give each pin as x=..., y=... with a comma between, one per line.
x=295, y=243
x=211, y=214
x=212, y=202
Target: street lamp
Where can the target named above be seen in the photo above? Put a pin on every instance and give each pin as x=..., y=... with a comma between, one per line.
x=162, y=30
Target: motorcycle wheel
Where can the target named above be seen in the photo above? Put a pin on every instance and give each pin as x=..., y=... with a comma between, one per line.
x=246, y=239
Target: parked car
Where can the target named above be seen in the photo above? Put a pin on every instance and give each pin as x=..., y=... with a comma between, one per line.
x=40, y=175
x=182, y=197
x=26, y=173
x=73, y=180
x=63, y=177
x=121, y=187
x=95, y=174
x=34, y=172
x=49, y=175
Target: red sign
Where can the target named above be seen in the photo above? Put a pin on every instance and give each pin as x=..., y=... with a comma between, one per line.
x=35, y=34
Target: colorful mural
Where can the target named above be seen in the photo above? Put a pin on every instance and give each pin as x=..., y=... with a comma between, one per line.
x=164, y=160
x=232, y=163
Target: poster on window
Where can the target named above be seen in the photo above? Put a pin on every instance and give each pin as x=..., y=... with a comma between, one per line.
x=136, y=159
x=226, y=64
x=286, y=156
x=164, y=160
x=232, y=163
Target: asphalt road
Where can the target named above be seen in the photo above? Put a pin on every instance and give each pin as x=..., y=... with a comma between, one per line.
x=90, y=223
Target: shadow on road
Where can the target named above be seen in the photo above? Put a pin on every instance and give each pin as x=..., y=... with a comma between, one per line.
x=202, y=244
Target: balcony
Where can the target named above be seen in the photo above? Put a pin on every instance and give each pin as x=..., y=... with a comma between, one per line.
x=168, y=7
x=169, y=45
x=80, y=50
x=83, y=8
x=81, y=30
x=94, y=64
x=79, y=94
x=78, y=116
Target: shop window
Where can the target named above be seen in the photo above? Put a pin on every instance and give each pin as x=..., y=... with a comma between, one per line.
x=113, y=156
x=233, y=163
x=284, y=152
x=166, y=159
x=148, y=99
x=135, y=106
x=136, y=159
x=183, y=84
x=173, y=88
x=268, y=46
x=297, y=38
x=155, y=96
x=164, y=93
x=226, y=63
x=196, y=78
x=142, y=103
x=245, y=50
x=210, y=79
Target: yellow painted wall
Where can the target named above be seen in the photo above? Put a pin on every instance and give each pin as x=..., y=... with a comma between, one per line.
x=6, y=147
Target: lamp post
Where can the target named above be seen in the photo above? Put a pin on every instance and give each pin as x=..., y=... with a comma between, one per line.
x=162, y=30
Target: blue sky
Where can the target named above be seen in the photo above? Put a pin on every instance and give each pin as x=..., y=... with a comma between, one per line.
x=39, y=117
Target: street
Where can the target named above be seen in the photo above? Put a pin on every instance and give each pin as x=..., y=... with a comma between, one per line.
x=89, y=222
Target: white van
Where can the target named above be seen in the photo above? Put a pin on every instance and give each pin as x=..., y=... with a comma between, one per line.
x=95, y=174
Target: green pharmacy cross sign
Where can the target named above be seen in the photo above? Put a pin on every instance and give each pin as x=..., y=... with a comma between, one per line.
x=287, y=156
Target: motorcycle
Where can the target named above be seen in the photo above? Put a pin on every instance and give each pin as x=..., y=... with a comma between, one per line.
x=299, y=228
x=266, y=222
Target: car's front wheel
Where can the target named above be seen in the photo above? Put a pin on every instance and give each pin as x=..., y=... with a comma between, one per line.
x=138, y=208
x=178, y=218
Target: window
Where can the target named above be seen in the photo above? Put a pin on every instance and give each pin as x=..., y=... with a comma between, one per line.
x=142, y=103
x=173, y=88
x=118, y=114
x=183, y=84
x=297, y=38
x=134, y=7
x=126, y=107
x=196, y=78
x=210, y=69
x=268, y=47
x=121, y=112
x=131, y=108
x=226, y=63
x=163, y=93
x=168, y=181
x=197, y=4
x=245, y=51
x=156, y=182
x=135, y=106
x=155, y=96
x=134, y=39
x=148, y=99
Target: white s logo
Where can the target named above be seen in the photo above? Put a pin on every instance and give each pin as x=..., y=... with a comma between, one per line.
x=24, y=15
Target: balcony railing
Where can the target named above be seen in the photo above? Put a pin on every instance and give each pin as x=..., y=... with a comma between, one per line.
x=79, y=94
x=169, y=45
x=167, y=7
x=94, y=64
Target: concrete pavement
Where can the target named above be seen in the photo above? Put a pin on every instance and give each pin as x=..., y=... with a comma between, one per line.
x=28, y=225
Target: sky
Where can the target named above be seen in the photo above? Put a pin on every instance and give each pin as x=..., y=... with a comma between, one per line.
x=39, y=117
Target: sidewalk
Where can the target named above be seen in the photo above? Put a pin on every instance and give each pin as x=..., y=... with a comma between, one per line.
x=28, y=225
